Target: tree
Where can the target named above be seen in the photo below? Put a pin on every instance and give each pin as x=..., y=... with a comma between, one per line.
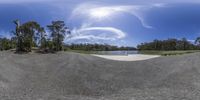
x=42, y=39
x=19, y=36
x=26, y=35
x=169, y=44
x=185, y=43
x=30, y=30
x=58, y=32
x=5, y=44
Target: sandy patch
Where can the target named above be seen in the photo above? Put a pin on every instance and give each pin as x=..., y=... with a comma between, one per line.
x=136, y=57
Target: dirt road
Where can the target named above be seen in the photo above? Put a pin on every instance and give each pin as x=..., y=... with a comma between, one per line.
x=71, y=76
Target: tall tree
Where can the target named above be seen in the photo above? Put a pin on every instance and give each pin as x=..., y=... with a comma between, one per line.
x=43, y=40
x=26, y=34
x=185, y=43
x=58, y=32
x=18, y=35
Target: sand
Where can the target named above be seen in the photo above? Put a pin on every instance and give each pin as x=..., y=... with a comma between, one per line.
x=135, y=57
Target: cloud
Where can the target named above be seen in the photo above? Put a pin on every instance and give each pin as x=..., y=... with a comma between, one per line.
x=159, y=5
x=119, y=34
x=22, y=1
x=89, y=33
x=192, y=41
x=94, y=12
x=4, y=34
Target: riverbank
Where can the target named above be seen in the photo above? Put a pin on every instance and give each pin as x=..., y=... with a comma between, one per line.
x=167, y=53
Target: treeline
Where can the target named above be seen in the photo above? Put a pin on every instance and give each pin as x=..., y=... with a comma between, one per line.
x=31, y=34
x=6, y=44
x=170, y=44
x=96, y=47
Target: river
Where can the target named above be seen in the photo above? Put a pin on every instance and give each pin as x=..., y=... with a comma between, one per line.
x=116, y=52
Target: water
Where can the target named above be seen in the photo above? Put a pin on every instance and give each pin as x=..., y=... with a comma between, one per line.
x=116, y=52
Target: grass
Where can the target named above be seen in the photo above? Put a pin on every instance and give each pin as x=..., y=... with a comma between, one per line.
x=167, y=53
x=81, y=51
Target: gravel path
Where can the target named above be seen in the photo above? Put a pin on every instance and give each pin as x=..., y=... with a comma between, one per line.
x=71, y=76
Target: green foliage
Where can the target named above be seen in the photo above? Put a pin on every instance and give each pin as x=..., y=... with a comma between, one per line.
x=50, y=44
x=58, y=32
x=170, y=44
x=25, y=35
x=167, y=53
x=31, y=34
x=96, y=47
x=5, y=44
x=43, y=43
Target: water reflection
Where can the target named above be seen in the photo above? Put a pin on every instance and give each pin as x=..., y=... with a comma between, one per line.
x=116, y=52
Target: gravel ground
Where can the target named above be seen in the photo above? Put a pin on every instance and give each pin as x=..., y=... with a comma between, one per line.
x=71, y=76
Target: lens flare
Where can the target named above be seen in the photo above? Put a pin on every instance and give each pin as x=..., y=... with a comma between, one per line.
x=100, y=13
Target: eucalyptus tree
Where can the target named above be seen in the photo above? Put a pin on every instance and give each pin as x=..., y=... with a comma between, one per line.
x=30, y=31
x=13, y=42
x=19, y=36
x=58, y=32
x=42, y=39
x=26, y=34
x=184, y=43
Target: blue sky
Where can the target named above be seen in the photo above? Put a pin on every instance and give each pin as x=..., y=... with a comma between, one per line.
x=117, y=22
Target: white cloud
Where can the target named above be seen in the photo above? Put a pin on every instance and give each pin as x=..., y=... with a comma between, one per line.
x=22, y=1
x=159, y=5
x=192, y=41
x=96, y=33
x=30, y=1
x=94, y=12
x=119, y=34
x=4, y=34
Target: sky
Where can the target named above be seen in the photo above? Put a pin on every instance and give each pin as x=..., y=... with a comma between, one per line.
x=115, y=22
